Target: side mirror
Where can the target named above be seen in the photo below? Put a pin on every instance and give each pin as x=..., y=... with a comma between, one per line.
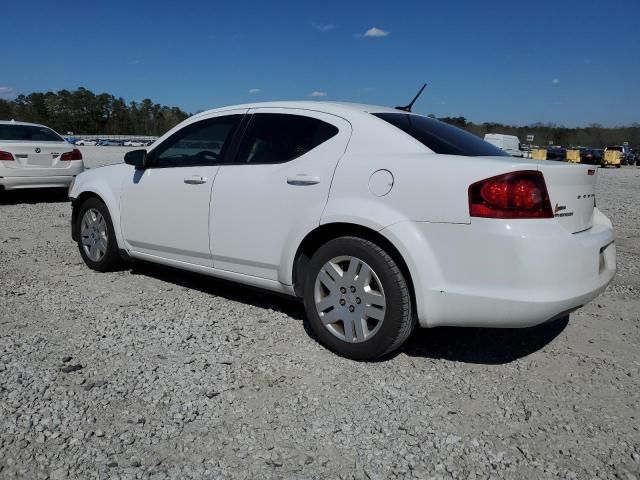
x=137, y=158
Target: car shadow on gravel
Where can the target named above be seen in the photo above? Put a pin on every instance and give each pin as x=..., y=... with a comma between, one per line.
x=33, y=196
x=469, y=345
x=223, y=288
x=488, y=346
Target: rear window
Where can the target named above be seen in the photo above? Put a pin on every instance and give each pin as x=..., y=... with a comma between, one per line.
x=31, y=133
x=616, y=149
x=441, y=137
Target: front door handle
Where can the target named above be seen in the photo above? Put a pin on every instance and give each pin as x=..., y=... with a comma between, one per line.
x=195, y=180
x=303, y=179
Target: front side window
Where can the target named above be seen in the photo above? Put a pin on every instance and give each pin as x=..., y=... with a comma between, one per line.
x=28, y=133
x=278, y=138
x=201, y=143
x=442, y=137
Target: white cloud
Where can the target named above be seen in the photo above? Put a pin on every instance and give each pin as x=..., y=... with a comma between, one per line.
x=134, y=62
x=323, y=27
x=555, y=81
x=7, y=92
x=375, y=32
x=254, y=90
x=316, y=93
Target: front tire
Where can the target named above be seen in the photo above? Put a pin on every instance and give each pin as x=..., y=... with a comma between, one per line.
x=96, y=237
x=357, y=300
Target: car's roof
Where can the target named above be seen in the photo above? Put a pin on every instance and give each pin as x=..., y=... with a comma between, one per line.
x=12, y=122
x=336, y=108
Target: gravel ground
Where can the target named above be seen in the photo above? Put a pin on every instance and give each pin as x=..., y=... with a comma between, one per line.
x=154, y=373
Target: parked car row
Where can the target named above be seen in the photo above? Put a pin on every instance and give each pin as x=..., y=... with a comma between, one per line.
x=615, y=155
x=511, y=145
x=109, y=142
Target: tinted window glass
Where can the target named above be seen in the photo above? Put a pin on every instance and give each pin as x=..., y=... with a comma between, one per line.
x=441, y=137
x=28, y=133
x=277, y=138
x=201, y=143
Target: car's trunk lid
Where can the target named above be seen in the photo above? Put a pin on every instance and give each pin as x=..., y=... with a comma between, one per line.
x=35, y=154
x=572, y=191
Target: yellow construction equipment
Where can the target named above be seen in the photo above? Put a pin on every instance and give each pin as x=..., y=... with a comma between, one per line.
x=612, y=157
x=573, y=156
x=539, y=154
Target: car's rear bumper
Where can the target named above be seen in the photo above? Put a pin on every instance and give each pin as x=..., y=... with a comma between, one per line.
x=15, y=183
x=501, y=273
x=12, y=178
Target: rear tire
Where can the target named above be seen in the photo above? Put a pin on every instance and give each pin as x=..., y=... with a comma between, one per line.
x=96, y=237
x=357, y=300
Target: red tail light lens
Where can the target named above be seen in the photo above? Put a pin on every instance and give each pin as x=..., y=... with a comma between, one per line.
x=6, y=156
x=74, y=154
x=512, y=195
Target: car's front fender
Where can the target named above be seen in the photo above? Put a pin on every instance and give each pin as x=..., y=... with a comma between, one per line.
x=105, y=183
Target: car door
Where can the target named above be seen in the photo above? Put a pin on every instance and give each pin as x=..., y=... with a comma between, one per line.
x=276, y=190
x=165, y=208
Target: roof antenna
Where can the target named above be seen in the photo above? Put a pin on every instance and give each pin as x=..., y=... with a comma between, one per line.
x=408, y=107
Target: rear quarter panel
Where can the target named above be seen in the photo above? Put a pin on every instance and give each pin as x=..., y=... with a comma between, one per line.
x=427, y=187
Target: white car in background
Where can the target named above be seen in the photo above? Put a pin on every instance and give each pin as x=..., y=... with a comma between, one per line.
x=135, y=143
x=377, y=218
x=34, y=156
x=86, y=143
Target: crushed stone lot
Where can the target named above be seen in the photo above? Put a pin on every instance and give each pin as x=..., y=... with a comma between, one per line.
x=155, y=373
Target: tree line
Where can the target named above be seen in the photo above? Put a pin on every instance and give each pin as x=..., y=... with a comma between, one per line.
x=84, y=112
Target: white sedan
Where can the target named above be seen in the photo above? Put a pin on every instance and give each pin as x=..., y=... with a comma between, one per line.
x=34, y=156
x=135, y=143
x=86, y=143
x=378, y=218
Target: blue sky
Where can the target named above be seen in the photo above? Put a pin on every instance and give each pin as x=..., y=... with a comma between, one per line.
x=567, y=62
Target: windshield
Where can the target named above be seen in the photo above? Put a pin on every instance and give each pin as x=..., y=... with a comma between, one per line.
x=441, y=137
x=31, y=133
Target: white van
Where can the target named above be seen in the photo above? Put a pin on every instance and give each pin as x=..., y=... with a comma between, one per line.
x=508, y=143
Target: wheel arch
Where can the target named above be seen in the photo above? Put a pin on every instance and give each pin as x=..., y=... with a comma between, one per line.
x=85, y=195
x=329, y=231
x=76, y=203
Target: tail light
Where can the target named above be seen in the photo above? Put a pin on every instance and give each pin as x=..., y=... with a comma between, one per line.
x=6, y=156
x=512, y=195
x=74, y=154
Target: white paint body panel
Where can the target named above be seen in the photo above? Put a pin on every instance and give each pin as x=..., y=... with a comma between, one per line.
x=261, y=213
x=465, y=271
x=162, y=215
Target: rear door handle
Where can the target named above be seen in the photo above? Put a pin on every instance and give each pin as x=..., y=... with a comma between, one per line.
x=195, y=180
x=303, y=179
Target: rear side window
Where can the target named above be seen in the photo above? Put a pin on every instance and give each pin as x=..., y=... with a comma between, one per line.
x=31, y=133
x=441, y=137
x=278, y=138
